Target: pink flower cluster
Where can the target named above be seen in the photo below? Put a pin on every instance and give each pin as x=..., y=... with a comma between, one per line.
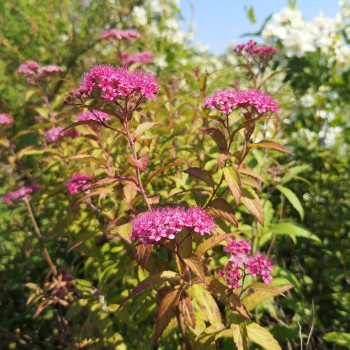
x=34, y=73
x=96, y=115
x=228, y=100
x=78, y=182
x=261, y=52
x=22, y=193
x=5, y=118
x=117, y=83
x=241, y=263
x=56, y=133
x=142, y=57
x=152, y=226
x=129, y=34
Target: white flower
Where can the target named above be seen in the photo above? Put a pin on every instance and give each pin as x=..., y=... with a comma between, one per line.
x=160, y=61
x=171, y=23
x=153, y=29
x=307, y=100
x=139, y=15
x=342, y=57
x=298, y=42
x=154, y=6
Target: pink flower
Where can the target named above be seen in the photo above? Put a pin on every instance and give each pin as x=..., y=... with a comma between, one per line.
x=34, y=73
x=49, y=70
x=142, y=57
x=241, y=263
x=152, y=226
x=129, y=34
x=5, y=118
x=96, y=115
x=228, y=100
x=56, y=133
x=39, y=118
x=263, y=53
x=78, y=182
x=20, y=194
x=117, y=83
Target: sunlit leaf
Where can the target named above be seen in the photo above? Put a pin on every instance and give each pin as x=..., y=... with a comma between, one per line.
x=224, y=210
x=200, y=174
x=252, y=202
x=293, y=200
x=271, y=144
x=262, y=336
x=212, y=242
x=141, y=128
x=234, y=182
x=217, y=136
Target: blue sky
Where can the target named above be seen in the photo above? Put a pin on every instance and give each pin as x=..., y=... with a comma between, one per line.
x=221, y=21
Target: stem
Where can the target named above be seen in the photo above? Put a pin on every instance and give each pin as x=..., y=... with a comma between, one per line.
x=40, y=238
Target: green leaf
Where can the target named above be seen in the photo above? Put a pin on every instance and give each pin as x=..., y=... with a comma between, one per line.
x=217, y=136
x=150, y=282
x=342, y=339
x=293, y=199
x=293, y=230
x=200, y=174
x=252, y=202
x=212, y=242
x=262, y=337
x=240, y=336
x=250, y=13
x=141, y=128
x=166, y=311
x=83, y=122
x=206, y=340
x=233, y=181
x=87, y=158
x=194, y=262
x=270, y=144
x=224, y=210
x=262, y=293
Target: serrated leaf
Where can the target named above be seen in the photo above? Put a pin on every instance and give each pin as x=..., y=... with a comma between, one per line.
x=200, y=174
x=263, y=293
x=150, y=282
x=252, y=202
x=143, y=252
x=222, y=158
x=141, y=163
x=293, y=200
x=105, y=190
x=206, y=340
x=247, y=171
x=262, y=337
x=187, y=310
x=293, y=230
x=165, y=167
x=226, y=295
x=166, y=311
x=212, y=242
x=194, y=262
x=271, y=144
x=240, y=336
x=224, y=210
x=342, y=339
x=234, y=182
x=217, y=136
x=213, y=117
x=141, y=128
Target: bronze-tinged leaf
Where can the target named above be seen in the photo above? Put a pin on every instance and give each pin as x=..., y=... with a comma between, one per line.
x=212, y=242
x=200, y=174
x=262, y=293
x=217, y=136
x=213, y=117
x=206, y=340
x=226, y=296
x=142, y=254
x=222, y=157
x=240, y=336
x=184, y=241
x=224, y=210
x=250, y=172
x=87, y=158
x=251, y=122
x=165, y=167
x=262, y=337
x=252, y=202
x=166, y=311
x=208, y=308
x=150, y=282
x=104, y=190
x=251, y=182
x=153, y=198
x=141, y=128
x=271, y=144
x=111, y=180
x=194, y=262
x=83, y=122
x=141, y=163
x=187, y=310
x=233, y=180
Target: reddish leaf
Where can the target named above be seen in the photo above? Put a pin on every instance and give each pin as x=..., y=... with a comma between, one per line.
x=184, y=240
x=148, y=283
x=217, y=136
x=153, y=198
x=141, y=163
x=142, y=254
x=166, y=311
x=222, y=157
x=194, y=262
x=213, y=117
x=83, y=122
x=141, y=128
x=105, y=190
x=252, y=202
x=224, y=210
x=200, y=174
x=226, y=295
x=234, y=182
x=271, y=144
x=251, y=182
x=165, y=167
x=187, y=310
x=251, y=173
x=262, y=293
x=110, y=180
x=212, y=242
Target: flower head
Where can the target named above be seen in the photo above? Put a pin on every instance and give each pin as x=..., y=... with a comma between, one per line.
x=56, y=133
x=228, y=100
x=142, y=57
x=20, y=194
x=129, y=34
x=117, y=83
x=78, y=182
x=5, y=118
x=96, y=115
x=34, y=73
x=262, y=53
x=152, y=226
